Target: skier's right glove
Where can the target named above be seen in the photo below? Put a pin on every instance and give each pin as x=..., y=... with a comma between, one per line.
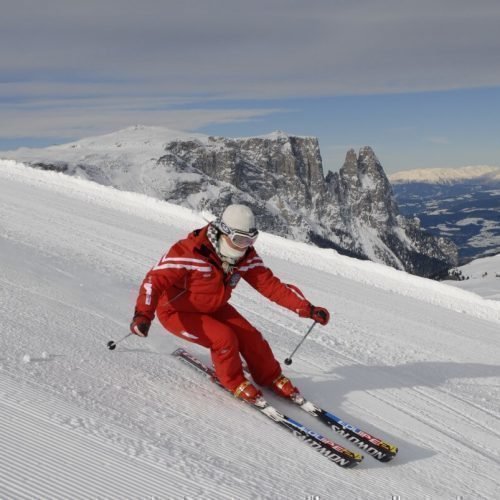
x=140, y=326
x=320, y=314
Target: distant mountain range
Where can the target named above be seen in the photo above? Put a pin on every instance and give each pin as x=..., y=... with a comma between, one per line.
x=483, y=173
x=462, y=204
x=278, y=175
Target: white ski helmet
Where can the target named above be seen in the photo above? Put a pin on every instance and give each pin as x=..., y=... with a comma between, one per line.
x=238, y=218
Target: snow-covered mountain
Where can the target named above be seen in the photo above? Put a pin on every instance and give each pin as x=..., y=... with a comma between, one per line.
x=279, y=176
x=405, y=358
x=462, y=204
x=487, y=173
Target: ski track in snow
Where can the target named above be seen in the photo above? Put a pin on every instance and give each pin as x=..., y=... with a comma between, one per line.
x=410, y=360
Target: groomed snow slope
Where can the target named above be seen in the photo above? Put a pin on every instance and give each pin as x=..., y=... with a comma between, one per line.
x=408, y=359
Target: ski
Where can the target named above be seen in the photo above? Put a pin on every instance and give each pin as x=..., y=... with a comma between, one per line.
x=341, y=456
x=377, y=448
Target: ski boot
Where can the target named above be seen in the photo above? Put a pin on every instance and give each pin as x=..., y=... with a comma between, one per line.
x=248, y=392
x=284, y=388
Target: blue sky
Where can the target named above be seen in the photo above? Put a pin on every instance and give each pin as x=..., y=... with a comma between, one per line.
x=419, y=81
x=408, y=130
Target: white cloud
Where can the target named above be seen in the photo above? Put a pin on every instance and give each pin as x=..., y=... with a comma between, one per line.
x=75, y=122
x=255, y=49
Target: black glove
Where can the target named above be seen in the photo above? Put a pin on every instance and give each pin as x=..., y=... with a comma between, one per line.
x=320, y=314
x=140, y=326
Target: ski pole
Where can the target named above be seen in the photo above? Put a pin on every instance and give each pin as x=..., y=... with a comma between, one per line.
x=288, y=361
x=112, y=344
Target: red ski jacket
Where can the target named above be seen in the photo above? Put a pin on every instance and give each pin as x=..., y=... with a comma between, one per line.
x=190, y=278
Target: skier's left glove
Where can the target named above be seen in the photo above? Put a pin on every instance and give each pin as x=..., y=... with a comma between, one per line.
x=140, y=326
x=320, y=314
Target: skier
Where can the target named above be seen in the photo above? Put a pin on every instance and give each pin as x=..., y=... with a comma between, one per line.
x=189, y=290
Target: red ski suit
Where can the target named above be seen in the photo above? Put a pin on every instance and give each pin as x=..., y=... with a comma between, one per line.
x=189, y=291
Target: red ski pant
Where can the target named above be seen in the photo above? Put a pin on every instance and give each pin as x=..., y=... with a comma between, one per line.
x=227, y=334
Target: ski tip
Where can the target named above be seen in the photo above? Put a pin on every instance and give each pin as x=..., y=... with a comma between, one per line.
x=387, y=452
x=357, y=458
x=350, y=459
x=388, y=458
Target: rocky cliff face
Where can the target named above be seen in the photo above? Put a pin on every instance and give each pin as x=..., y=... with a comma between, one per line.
x=371, y=224
x=280, y=176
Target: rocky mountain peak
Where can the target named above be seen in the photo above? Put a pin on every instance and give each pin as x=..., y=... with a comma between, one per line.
x=367, y=155
x=351, y=162
x=368, y=163
x=357, y=167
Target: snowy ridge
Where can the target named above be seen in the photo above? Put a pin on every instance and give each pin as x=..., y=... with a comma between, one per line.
x=150, y=140
x=407, y=359
x=384, y=277
x=446, y=175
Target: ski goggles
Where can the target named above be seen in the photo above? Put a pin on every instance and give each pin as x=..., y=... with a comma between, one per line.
x=240, y=239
